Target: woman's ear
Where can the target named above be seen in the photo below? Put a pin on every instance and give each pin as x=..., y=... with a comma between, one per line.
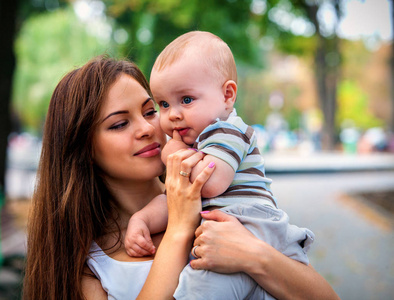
x=230, y=93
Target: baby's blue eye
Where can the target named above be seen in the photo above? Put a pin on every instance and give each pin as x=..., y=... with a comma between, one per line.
x=187, y=100
x=164, y=104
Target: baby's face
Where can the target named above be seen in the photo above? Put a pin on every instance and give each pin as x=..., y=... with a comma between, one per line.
x=190, y=98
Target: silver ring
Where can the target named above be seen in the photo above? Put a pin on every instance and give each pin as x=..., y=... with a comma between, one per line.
x=194, y=252
x=185, y=174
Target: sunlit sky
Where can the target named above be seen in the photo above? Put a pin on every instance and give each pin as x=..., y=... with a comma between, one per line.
x=368, y=17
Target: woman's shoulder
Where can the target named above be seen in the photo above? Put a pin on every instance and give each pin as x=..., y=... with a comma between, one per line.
x=91, y=286
x=118, y=274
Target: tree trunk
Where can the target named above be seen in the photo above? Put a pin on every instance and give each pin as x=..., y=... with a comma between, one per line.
x=326, y=70
x=8, y=12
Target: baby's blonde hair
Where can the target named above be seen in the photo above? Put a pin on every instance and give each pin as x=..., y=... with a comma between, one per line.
x=205, y=47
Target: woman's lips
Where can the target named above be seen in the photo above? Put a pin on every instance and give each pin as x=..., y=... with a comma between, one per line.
x=149, y=151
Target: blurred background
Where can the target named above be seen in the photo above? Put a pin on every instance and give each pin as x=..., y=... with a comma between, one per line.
x=316, y=81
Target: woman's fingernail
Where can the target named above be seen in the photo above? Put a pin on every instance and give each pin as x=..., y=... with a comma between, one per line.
x=204, y=212
x=193, y=149
x=211, y=164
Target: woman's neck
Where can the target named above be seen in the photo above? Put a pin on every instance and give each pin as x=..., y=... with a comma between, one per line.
x=131, y=197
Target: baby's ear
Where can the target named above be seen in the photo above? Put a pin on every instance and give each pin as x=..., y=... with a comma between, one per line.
x=230, y=92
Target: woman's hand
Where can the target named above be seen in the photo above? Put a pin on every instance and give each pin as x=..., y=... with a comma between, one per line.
x=221, y=242
x=184, y=197
x=226, y=246
x=184, y=206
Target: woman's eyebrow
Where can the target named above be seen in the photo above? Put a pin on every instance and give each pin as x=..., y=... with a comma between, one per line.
x=115, y=113
x=146, y=101
x=125, y=111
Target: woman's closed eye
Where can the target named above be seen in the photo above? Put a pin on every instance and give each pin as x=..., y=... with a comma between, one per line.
x=150, y=113
x=118, y=125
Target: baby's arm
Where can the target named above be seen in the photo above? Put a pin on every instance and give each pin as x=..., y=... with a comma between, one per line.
x=219, y=181
x=149, y=220
x=226, y=144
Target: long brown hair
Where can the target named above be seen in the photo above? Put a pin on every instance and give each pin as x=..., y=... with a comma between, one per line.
x=71, y=205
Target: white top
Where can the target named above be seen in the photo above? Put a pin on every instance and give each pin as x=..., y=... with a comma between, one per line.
x=120, y=279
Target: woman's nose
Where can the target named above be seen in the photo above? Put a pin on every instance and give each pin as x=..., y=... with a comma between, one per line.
x=144, y=129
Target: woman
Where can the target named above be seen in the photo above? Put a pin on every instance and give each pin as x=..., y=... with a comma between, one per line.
x=100, y=164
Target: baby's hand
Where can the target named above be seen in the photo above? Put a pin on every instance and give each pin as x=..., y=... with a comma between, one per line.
x=138, y=242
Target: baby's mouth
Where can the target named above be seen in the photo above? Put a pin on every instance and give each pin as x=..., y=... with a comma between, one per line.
x=183, y=131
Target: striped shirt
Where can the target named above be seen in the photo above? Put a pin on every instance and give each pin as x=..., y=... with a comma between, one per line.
x=235, y=142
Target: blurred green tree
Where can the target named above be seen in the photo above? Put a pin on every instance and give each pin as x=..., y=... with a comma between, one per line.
x=327, y=68
x=323, y=45
x=151, y=25
x=53, y=58
x=12, y=15
x=353, y=106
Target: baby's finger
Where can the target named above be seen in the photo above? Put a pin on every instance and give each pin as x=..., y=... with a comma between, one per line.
x=137, y=251
x=146, y=243
x=176, y=136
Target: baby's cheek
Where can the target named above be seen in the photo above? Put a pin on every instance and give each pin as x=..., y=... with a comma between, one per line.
x=165, y=128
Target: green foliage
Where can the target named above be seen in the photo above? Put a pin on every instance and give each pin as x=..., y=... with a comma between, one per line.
x=231, y=20
x=48, y=46
x=252, y=96
x=297, y=45
x=254, y=91
x=353, y=105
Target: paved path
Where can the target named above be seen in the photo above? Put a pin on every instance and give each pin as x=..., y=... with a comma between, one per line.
x=327, y=162
x=354, y=242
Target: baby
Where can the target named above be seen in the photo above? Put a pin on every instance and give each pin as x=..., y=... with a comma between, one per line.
x=194, y=81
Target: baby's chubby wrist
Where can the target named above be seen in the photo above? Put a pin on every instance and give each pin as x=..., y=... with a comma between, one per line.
x=140, y=216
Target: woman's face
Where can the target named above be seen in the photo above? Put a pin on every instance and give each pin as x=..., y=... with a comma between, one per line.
x=128, y=141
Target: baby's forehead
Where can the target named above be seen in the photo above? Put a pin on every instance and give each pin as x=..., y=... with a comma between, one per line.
x=199, y=57
x=206, y=58
x=203, y=48
x=204, y=51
